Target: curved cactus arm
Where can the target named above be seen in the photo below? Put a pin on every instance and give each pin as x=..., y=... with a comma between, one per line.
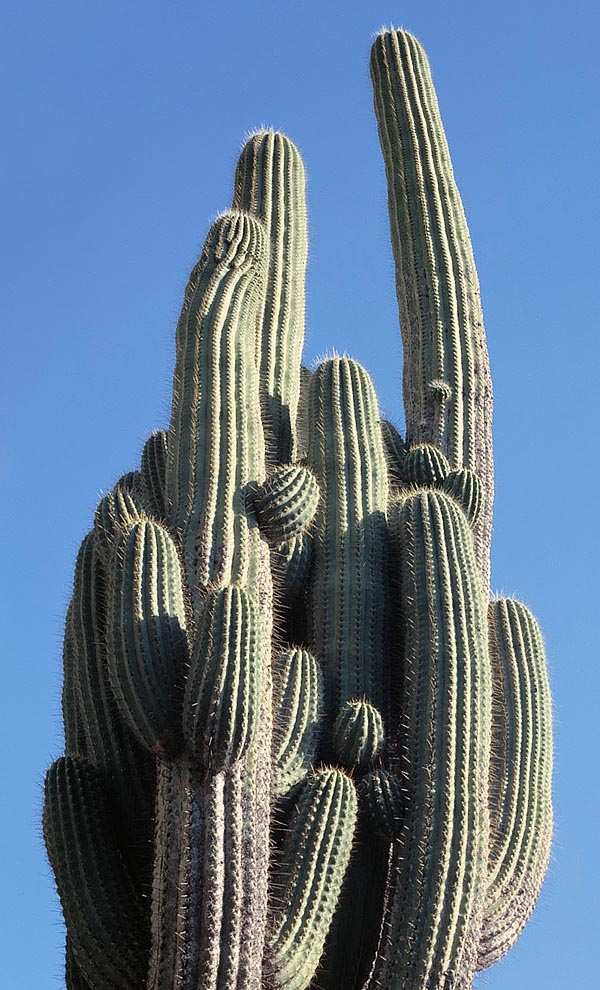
x=313, y=863
x=436, y=878
x=297, y=704
x=520, y=777
x=108, y=743
x=270, y=184
x=447, y=382
x=107, y=927
x=147, y=641
x=117, y=511
x=348, y=586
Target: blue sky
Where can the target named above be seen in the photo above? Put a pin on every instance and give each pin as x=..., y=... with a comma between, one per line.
x=122, y=124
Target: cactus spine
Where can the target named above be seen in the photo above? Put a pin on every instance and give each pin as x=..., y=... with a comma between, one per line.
x=301, y=748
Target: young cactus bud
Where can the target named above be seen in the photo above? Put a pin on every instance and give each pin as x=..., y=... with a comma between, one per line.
x=382, y=800
x=358, y=733
x=465, y=487
x=426, y=466
x=286, y=503
x=222, y=695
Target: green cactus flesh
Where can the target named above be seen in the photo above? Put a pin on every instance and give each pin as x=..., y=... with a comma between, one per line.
x=520, y=776
x=269, y=184
x=146, y=632
x=297, y=703
x=349, y=551
x=447, y=382
x=312, y=867
x=302, y=750
x=286, y=503
x=222, y=695
x=436, y=877
x=107, y=930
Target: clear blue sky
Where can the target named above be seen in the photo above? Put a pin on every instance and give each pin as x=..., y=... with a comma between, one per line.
x=121, y=126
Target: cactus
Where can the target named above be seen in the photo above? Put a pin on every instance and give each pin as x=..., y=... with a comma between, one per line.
x=303, y=749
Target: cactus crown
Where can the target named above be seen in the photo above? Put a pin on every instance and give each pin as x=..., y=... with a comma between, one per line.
x=302, y=749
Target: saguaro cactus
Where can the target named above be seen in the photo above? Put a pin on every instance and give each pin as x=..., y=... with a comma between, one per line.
x=303, y=749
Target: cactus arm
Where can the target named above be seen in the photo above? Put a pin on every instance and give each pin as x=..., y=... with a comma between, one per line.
x=348, y=587
x=74, y=727
x=153, y=469
x=216, y=443
x=297, y=703
x=447, y=382
x=437, y=866
x=270, y=185
x=148, y=650
x=520, y=777
x=106, y=924
x=313, y=863
x=215, y=820
x=108, y=743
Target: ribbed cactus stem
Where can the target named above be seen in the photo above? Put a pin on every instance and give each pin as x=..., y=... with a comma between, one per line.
x=447, y=382
x=216, y=441
x=436, y=879
x=108, y=743
x=297, y=702
x=108, y=931
x=216, y=454
x=221, y=706
x=520, y=776
x=270, y=184
x=312, y=867
x=148, y=650
x=348, y=590
x=153, y=470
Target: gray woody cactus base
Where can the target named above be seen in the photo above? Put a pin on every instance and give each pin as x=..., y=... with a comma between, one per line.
x=302, y=748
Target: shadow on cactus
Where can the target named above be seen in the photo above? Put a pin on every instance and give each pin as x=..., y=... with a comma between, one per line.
x=302, y=748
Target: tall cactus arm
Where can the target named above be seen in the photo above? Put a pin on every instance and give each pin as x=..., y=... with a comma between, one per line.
x=310, y=875
x=348, y=587
x=107, y=927
x=212, y=822
x=436, y=878
x=270, y=185
x=447, y=382
x=216, y=442
x=108, y=743
x=520, y=776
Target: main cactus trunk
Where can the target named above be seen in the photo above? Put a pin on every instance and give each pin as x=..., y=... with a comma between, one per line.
x=302, y=749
